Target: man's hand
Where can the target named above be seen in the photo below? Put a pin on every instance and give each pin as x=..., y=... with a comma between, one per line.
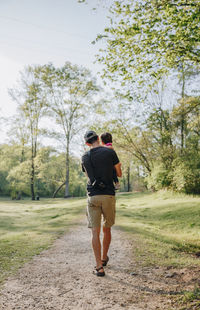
x=118, y=169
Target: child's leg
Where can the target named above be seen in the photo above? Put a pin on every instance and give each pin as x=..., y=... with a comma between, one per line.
x=116, y=180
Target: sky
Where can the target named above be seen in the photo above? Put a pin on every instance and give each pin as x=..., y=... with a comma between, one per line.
x=42, y=31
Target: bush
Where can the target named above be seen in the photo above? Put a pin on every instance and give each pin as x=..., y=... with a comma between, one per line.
x=159, y=178
x=186, y=176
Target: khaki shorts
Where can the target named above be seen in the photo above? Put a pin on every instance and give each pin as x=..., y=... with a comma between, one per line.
x=101, y=205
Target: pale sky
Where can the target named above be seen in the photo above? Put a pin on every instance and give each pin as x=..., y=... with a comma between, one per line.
x=42, y=31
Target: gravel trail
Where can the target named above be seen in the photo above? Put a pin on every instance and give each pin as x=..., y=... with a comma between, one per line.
x=61, y=278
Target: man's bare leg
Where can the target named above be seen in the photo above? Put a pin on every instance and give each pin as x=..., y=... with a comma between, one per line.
x=106, y=241
x=96, y=244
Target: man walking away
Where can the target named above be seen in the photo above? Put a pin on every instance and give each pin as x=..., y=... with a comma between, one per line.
x=98, y=164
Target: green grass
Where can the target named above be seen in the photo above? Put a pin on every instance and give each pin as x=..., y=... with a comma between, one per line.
x=28, y=227
x=189, y=300
x=165, y=227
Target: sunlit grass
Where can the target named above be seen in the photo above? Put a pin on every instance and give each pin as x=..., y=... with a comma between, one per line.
x=28, y=227
x=165, y=227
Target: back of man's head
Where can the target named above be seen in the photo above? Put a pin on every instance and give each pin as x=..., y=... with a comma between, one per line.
x=90, y=136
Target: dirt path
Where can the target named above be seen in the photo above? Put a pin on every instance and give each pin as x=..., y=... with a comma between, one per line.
x=61, y=278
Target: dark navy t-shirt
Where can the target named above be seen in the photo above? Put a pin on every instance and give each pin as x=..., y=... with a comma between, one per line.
x=103, y=162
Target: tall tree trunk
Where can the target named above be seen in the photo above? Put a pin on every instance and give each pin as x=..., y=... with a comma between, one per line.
x=128, y=179
x=19, y=194
x=183, y=110
x=32, y=174
x=32, y=181
x=22, y=154
x=67, y=172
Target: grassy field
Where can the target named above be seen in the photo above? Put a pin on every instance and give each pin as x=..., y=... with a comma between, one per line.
x=27, y=227
x=165, y=227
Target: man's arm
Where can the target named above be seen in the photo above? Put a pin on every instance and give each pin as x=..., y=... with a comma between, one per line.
x=118, y=169
x=86, y=167
x=86, y=174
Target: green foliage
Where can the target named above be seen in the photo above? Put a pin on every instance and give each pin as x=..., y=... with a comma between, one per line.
x=19, y=178
x=10, y=156
x=159, y=152
x=64, y=95
x=146, y=38
x=69, y=92
x=159, y=148
x=193, y=295
x=49, y=172
x=159, y=177
x=178, y=150
x=77, y=178
x=186, y=175
x=31, y=107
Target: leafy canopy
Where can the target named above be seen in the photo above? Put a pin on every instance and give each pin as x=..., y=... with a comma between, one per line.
x=150, y=37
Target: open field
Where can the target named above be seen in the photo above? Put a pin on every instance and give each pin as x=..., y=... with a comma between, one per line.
x=165, y=227
x=27, y=227
x=165, y=232
x=162, y=231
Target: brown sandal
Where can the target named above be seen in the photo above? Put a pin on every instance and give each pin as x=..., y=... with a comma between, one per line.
x=98, y=273
x=104, y=262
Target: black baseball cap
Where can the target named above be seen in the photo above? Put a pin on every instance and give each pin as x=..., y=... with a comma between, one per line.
x=89, y=135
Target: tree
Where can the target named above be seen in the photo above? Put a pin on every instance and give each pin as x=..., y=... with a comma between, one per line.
x=160, y=124
x=187, y=73
x=19, y=179
x=31, y=106
x=69, y=92
x=18, y=132
x=147, y=38
x=49, y=172
x=9, y=157
x=188, y=109
x=51, y=175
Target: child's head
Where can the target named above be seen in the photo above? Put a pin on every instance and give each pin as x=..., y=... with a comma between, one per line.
x=106, y=138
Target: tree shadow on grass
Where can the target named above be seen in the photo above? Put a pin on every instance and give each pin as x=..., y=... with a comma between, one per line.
x=181, y=213
x=142, y=288
x=188, y=248
x=131, y=195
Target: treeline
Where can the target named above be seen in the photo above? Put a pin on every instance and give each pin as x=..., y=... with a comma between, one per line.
x=151, y=67
x=152, y=55
x=60, y=98
x=157, y=145
x=49, y=174
x=54, y=106
x=165, y=147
